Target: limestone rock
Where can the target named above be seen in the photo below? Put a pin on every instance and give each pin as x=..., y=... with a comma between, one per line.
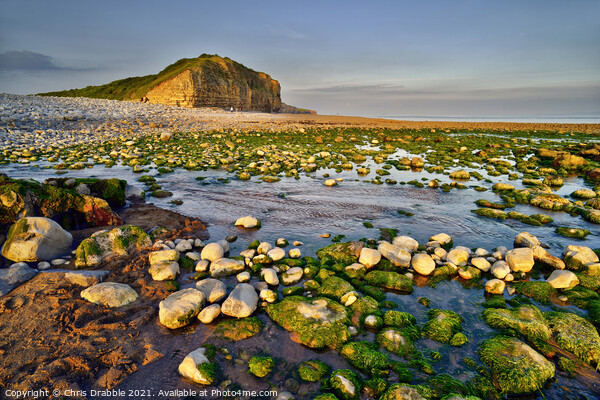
x=163, y=255
x=213, y=289
x=208, y=314
x=242, y=301
x=423, y=264
x=406, y=243
x=543, y=256
x=369, y=257
x=270, y=276
x=248, y=222
x=276, y=253
x=192, y=367
x=526, y=239
x=212, y=252
x=481, y=263
x=164, y=270
x=110, y=294
x=35, y=239
x=562, y=279
x=225, y=267
x=179, y=308
x=500, y=269
x=396, y=255
x=443, y=239
x=578, y=257
x=495, y=286
x=458, y=256
x=292, y=276
x=520, y=260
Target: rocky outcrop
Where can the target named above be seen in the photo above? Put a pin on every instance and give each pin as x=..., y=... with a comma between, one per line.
x=206, y=81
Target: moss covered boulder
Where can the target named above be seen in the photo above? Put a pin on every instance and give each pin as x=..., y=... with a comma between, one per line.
x=442, y=325
x=316, y=323
x=197, y=367
x=260, y=366
x=345, y=384
x=345, y=253
x=35, y=239
x=27, y=198
x=365, y=357
x=577, y=335
x=403, y=391
x=389, y=280
x=180, y=308
x=396, y=341
x=550, y=201
x=119, y=241
x=313, y=370
x=238, y=329
x=527, y=320
x=516, y=368
x=334, y=288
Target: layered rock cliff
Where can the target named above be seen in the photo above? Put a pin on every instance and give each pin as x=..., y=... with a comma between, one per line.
x=206, y=81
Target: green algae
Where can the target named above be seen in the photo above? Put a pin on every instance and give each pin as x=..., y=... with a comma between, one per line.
x=537, y=290
x=313, y=370
x=398, y=319
x=442, y=325
x=345, y=253
x=334, y=288
x=396, y=341
x=364, y=357
x=260, y=366
x=317, y=323
x=526, y=320
x=389, y=280
x=577, y=335
x=516, y=368
x=345, y=384
x=238, y=329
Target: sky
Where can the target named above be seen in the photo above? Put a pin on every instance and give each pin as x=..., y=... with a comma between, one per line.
x=451, y=58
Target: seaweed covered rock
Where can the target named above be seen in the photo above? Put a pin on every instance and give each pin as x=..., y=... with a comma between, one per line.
x=550, y=201
x=197, y=367
x=313, y=370
x=180, y=308
x=27, y=198
x=577, y=258
x=398, y=319
x=35, y=239
x=389, y=280
x=527, y=320
x=334, y=288
x=238, y=329
x=365, y=357
x=346, y=384
x=316, y=323
x=577, y=335
x=403, y=391
x=260, y=366
x=119, y=241
x=345, y=253
x=442, y=325
x=396, y=341
x=516, y=368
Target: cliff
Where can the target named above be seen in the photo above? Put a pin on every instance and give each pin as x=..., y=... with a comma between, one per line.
x=206, y=81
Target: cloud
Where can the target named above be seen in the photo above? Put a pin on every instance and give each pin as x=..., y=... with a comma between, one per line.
x=353, y=88
x=26, y=60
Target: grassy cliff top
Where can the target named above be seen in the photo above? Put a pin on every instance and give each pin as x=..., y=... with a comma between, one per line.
x=137, y=87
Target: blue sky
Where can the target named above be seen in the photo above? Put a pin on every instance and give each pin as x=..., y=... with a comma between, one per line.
x=449, y=58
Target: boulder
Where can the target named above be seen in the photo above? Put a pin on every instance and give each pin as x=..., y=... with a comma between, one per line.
x=316, y=323
x=270, y=276
x=543, y=256
x=180, y=308
x=443, y=239
x=500, y=269
x=264, y=248
x=36, y=239
x=110, y=294
x=396, y=255
x=562, y=279
x=458, y=256
x=213, y=289
x=208, y=314
x=164, y=270
x=119, y=241
x=369, y=257
x=242, y=301
x=292, y=276
x=163, y=255
x=526, y=239
x=481, y=264
x=276, y=253
x=576, y=335
x=495, y=286
x=406, y=243
x=197, y=368
x=505, y=355
x=423, y=264
x=15, y=275
x=520, y=260
x=569, y=161
x=225, y=267
x=578, y=257
x=212, y=252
